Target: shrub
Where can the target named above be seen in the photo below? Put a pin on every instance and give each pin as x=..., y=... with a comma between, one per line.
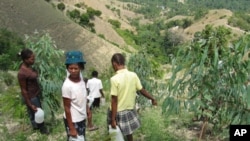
x=10, y=45
x=84, y=19
x=115, y=23
x=74, y=14
x=101, y=35
x=61, y=6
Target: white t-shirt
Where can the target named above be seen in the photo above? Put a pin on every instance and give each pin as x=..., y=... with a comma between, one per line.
x=94, y=85
x=78, y=95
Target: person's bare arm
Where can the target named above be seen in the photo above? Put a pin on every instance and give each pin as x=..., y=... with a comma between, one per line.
x=89, y=113
x=147, y=95
x=113, y=111
x=66, y=104
x=101, y=92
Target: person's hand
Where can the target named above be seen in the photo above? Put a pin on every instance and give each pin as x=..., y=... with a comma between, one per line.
x=73, y=133
x=34, y=108
x=154, y=102
x=113, y=124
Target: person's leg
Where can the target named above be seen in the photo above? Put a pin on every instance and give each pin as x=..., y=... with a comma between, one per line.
x=129, y=137
x=32, y=118
x=36, y=101
x=89, y=124
x=66, y=128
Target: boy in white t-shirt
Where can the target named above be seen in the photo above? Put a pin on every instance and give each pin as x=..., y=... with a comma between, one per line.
x=74, y=96
x=94, y=87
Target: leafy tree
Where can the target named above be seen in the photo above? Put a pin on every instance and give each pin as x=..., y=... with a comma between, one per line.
x=209, y=80
x=147, y=70
x=10, y=45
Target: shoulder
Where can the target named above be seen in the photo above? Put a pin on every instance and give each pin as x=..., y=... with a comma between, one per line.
x=132, y=73
x=67, y=83
x=22, y=73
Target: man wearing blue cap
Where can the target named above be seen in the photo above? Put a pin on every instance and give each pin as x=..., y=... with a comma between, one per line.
x=74, y=95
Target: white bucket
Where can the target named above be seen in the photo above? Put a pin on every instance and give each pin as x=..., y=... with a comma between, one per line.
x=91, y=100
x=39, y=116
x=78, y=138
x=116, y=134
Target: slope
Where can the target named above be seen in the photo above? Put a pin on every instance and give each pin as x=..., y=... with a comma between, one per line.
x=27, y=16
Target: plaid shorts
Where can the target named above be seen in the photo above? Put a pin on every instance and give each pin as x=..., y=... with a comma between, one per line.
x=127, y=120
x=80, y=127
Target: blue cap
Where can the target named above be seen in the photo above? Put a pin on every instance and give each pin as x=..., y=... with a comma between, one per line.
x=73, y=57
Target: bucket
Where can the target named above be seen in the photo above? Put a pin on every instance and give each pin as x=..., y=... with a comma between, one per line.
x=116, y=134
x=39, y=116
x=78, y=138
x=91, y=100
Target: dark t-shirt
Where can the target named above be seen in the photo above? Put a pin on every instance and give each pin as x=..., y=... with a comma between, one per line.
x=30, y=76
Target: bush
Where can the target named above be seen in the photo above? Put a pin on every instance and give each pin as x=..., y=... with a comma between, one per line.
x=115, y=23
x=10, y=45
x=74, y=14
x=92, y=12
x=61, y=6
x=84, y=19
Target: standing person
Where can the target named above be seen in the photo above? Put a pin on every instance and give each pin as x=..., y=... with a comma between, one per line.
x=74, y=95
x=124, y=85
x=90, y=125
x=31, y=92
x=94, y=87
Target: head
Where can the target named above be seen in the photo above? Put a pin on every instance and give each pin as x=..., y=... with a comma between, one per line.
x=27, y=56
x=118, y=61
x=94, y=74
x=74, y=63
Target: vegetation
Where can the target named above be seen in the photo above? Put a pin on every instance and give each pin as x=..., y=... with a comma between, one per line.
x=190, y=7
x=240, y=20
x=61, y=6
x=209, y=79
x=115, y=23
x=10, y=45
x=83, y=19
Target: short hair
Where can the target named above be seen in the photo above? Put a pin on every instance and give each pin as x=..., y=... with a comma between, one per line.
x=118, y=58
x=94, y=73
x=26, y=53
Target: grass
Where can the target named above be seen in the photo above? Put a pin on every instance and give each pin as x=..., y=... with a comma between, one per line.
x=153, y=127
